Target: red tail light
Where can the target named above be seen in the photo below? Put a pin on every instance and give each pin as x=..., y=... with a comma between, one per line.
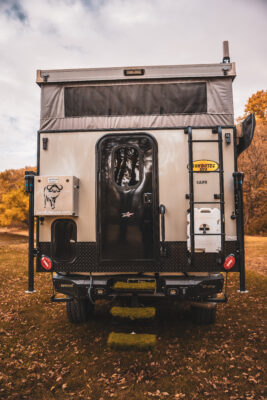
x=46, y=263
x=229, y=262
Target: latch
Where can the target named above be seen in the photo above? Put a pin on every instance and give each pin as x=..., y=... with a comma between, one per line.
x=234, y=215
x=227, y=138
x=45, y=143
x=36, y=251
x=147, y=198
x=204, y=228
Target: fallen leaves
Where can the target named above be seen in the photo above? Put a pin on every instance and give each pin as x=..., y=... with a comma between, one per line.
x=157, y=394
x=43, y=356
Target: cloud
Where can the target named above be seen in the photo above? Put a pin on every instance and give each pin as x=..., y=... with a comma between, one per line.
x=13, y=10
x=44, y=34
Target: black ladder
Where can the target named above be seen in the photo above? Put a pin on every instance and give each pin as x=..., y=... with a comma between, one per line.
x=220, y=197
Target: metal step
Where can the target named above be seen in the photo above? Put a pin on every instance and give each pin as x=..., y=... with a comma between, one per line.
x=131, y=341
x=133, y=313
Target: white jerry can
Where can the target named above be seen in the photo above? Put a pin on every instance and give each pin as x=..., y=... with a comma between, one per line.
x=206, y=221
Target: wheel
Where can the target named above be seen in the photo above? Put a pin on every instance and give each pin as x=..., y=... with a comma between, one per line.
x=79, y=311
x=204, y=313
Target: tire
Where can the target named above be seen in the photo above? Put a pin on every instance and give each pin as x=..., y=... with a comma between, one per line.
x=204, y=315
x=79, y=311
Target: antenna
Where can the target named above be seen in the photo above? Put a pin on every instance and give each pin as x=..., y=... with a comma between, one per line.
x=226, y=56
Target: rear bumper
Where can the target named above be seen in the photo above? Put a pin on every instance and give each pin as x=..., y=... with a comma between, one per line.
x=180, y=287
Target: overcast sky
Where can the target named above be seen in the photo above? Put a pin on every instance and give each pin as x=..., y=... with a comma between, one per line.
x=37, y=34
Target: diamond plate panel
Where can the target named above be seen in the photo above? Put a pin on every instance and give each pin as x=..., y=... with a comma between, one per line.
x=176, y=260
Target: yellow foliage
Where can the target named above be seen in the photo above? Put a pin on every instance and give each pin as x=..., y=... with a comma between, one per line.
x=14, y=207
x=253, y=163
x=257, y=104
x=13, y=200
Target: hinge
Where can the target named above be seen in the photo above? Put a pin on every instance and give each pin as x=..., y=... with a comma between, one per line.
x=36, y=251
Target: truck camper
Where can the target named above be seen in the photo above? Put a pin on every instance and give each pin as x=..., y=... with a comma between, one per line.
x=137, y=192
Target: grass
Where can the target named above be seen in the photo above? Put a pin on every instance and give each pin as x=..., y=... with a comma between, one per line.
x=255, y=247
x=133, y=313
x=43, y=356
x=131, y=341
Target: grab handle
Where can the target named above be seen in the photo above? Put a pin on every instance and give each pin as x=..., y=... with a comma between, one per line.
x=162, y=210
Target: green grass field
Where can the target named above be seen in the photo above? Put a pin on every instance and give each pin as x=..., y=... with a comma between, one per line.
x=43, y=356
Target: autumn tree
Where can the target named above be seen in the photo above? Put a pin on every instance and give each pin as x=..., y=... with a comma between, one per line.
x=13, y=199
x=14, y=207
x=257, y=104
x=253, y=163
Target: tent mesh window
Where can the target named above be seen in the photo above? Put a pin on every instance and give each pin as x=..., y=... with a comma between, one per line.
x=136, y=99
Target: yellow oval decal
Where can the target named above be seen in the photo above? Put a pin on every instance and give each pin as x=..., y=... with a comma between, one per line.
x=205, y=166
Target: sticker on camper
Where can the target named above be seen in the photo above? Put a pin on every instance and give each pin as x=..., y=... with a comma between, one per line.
x=52, y=180
x=205, y=166
x=51, y=193
x=127, y=214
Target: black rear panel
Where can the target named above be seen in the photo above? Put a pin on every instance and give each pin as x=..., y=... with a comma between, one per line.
x=176, y=260
x=127, y=198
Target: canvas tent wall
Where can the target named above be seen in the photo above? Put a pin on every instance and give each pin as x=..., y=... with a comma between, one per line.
x=161, y=97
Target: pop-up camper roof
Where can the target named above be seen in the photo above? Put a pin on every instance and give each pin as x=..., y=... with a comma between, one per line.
x=137, y=97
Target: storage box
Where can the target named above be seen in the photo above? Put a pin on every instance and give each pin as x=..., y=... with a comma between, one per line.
x=207, y=221
x=56, y=195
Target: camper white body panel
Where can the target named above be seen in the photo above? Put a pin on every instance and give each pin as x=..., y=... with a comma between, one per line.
x=74, y=154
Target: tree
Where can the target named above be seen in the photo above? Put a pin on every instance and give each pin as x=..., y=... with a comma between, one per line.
x=13, y=199
x=257, y=104
x=14, y=207
x=253, y=163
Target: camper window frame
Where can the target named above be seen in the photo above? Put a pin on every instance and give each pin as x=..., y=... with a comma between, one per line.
x=53, y=237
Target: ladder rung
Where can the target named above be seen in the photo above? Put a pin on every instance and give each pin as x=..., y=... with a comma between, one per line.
x=204, y=172
x=208, y=234
x=190, y=196
x=208, y=202
x=205, y=141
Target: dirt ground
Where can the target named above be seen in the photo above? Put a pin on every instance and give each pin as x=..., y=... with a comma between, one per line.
x=43, y=356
